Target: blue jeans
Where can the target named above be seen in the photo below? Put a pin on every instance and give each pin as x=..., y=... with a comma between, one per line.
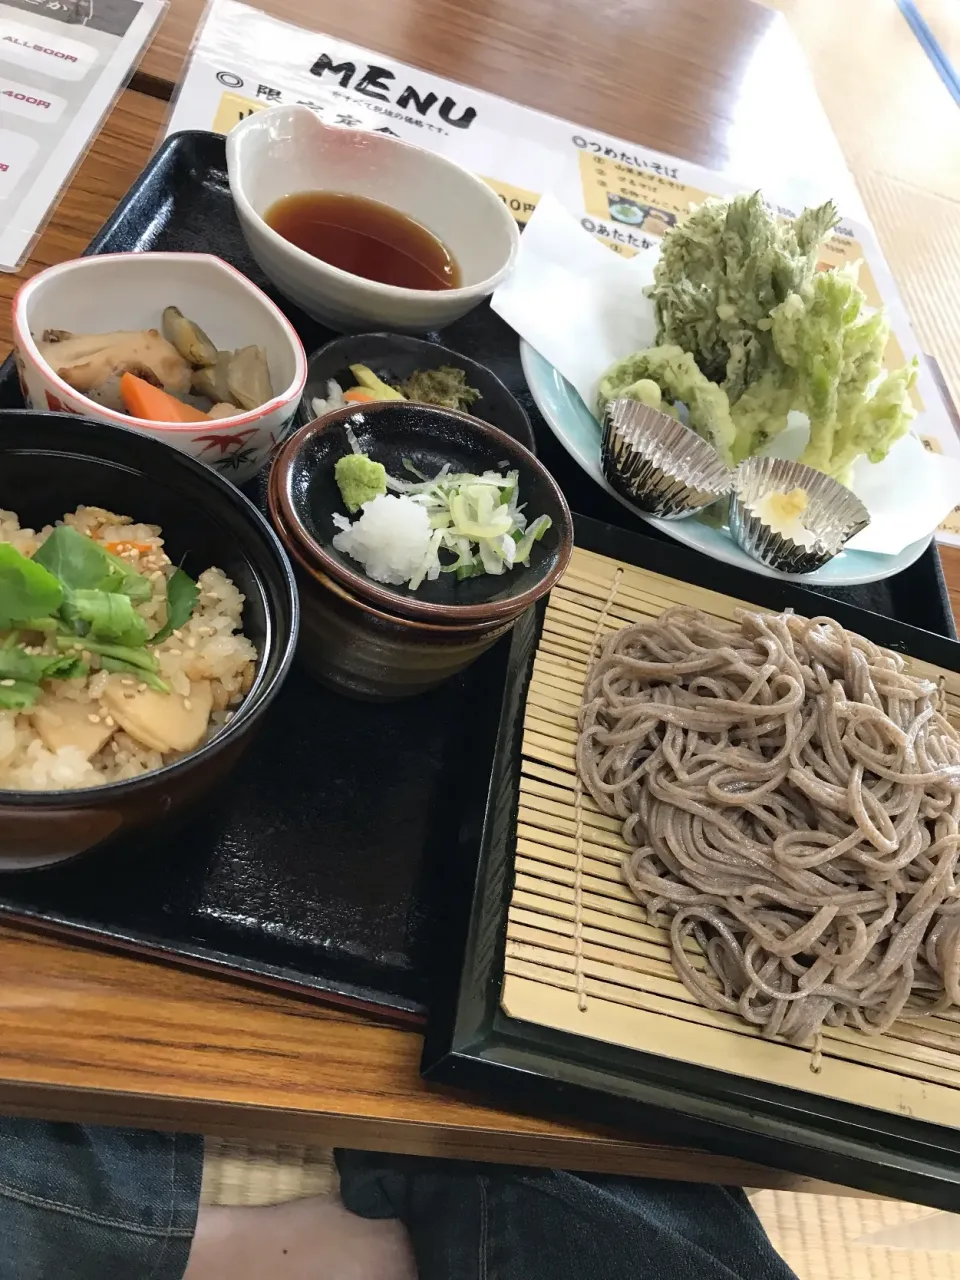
x=96, y=1204
x=115, y=1204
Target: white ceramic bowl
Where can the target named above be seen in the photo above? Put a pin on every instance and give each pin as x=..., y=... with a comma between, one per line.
x=286, y=150
x=129, y=291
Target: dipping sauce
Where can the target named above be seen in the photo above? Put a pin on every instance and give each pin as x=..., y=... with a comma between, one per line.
x=366, y=238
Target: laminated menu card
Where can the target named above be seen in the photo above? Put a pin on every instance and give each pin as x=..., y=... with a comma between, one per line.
x=62, y=65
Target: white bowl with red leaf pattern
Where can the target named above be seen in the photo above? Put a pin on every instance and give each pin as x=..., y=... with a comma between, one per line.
x=129, y=291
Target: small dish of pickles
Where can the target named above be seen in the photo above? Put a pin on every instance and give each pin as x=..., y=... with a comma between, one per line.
x=364, y=368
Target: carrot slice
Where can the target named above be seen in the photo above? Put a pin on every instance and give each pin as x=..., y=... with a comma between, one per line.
x=152, y=404
x=359, y=395
x=115, y=548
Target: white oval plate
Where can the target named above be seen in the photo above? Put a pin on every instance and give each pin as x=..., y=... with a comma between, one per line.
x=579, y=432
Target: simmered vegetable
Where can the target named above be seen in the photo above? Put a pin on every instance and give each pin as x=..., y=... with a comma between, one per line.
x=150, y=375
x=189, y=339
x=93, y=364
x=151, y=404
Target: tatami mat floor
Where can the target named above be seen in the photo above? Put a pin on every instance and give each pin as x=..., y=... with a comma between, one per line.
x=252, y=1173
x=821, y=1237
x=828, y=1238
x=900, y=131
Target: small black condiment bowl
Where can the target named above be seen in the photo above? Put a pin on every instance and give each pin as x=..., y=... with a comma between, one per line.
x=303, y=497
x=394, y=357
x=49, y=465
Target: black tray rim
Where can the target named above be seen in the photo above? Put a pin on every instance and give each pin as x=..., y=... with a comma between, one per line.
x=472, y=1044
x=200, y=145
x=386, y=1007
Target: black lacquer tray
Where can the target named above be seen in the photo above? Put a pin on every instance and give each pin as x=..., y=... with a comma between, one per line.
x=471, y=1043
x=341, y=854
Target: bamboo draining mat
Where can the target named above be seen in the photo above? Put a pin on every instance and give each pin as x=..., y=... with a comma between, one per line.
x=580, y=956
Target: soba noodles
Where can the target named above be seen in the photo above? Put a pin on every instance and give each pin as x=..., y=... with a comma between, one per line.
x=792, y=798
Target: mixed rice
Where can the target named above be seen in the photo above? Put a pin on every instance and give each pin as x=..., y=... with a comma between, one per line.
x=108, y=726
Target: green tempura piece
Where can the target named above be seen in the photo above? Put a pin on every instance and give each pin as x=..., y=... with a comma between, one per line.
x=647, y=392
x=720, y=274
x=676, y=374
x=833, y=352
x=761, y=413
x=738, y=295
x=359, y=480
x=872, y=426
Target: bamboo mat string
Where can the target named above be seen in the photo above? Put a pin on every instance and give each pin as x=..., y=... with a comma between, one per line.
x=578, y=814
x=816, y=1055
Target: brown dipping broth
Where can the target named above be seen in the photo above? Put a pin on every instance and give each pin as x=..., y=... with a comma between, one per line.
x=366, y=238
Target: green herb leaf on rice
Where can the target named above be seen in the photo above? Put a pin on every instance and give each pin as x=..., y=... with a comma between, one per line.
x=27, y=589
x=182, y=596
x=138, y=658
x=66, y=666
x=39, y=624
x=21, y=672
x=119, y=666
x=31, y=668
x=139, y=663
x=18, y=696
x=105, y=616
x=81, y=564
x=83, y=597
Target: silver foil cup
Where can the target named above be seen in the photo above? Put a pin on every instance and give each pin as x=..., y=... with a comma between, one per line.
x=833, y=514
x=659, y=465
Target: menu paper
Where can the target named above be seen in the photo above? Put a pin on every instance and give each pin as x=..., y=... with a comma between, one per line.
x=62, y=65
x=622, y=193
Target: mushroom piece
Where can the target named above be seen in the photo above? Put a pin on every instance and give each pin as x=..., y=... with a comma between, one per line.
x=163, y=721
x=63, y=722
x=93, y=363
x=189, y=339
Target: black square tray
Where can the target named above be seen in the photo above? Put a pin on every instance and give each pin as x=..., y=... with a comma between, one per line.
x=340, y=846
x=473, y=1044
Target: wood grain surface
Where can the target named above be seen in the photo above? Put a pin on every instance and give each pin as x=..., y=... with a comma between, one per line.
x=98, y=1038
x=721, y=82
x=93, y=1036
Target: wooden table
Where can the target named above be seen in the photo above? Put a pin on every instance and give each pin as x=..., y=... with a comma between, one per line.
x=91, y=1036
